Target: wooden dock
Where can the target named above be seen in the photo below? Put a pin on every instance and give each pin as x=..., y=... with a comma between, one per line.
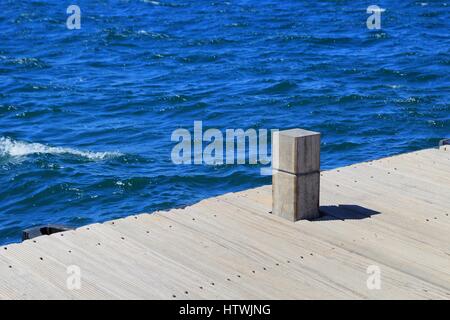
x=391, y=213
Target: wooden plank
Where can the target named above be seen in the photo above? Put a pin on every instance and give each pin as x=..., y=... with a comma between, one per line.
x=331, y=247
x=395, y=255
x=392, y=213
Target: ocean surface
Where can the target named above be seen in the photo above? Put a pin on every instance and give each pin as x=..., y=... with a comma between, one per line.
x=86, y=116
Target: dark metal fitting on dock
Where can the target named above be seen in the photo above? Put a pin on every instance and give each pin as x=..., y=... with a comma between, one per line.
x=48, y=229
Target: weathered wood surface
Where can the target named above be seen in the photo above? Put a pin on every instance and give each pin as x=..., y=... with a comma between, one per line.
x=392, y=213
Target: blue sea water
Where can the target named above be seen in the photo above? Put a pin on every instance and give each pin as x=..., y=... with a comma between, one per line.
x=86, y=115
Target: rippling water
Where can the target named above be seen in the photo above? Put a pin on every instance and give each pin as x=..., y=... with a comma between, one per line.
x=86, y=115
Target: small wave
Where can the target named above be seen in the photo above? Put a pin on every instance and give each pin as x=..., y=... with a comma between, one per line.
x=26, y=62
x=280, y=87
x=13, y=148
x=156, y=3
x=154, y=35
x=164, y=4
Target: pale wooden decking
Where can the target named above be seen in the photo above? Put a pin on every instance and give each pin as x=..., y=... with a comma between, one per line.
x=393, y=213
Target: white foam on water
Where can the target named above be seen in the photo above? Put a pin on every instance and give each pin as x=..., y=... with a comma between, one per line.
x=13, y=148
x=156, y=3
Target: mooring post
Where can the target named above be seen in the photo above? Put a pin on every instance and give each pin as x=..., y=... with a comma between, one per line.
x=296, y=174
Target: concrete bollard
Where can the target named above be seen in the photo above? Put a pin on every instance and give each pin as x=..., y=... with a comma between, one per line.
x=296, y=174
